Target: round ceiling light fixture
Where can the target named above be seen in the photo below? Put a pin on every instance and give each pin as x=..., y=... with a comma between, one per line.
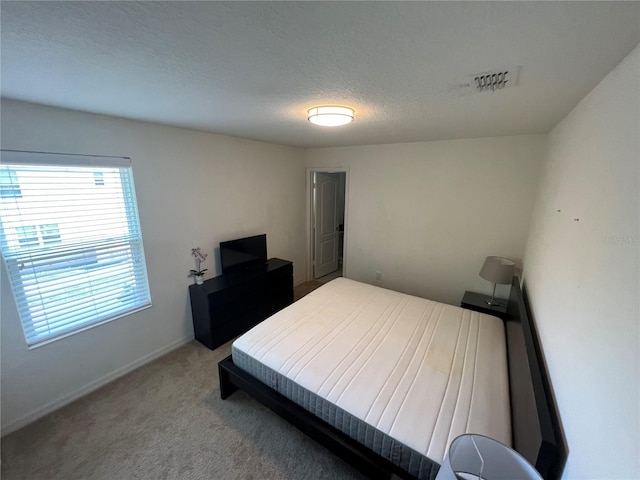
x=330, y=116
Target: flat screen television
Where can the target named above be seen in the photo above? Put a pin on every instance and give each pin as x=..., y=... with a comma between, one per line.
x=243, y=253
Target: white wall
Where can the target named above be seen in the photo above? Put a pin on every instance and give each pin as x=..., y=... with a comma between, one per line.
x=583, y=276
x=427, y=214
x=193, y=189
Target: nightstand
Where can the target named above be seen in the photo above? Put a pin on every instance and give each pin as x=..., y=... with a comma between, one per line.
x=477, y=302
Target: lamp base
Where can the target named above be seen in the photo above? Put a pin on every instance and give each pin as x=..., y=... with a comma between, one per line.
x=494, y=303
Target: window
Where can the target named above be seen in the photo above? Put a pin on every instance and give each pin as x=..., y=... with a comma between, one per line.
x=9, y=187
x=27, y=236
x=72, y=247
x=98, y=178
x=50, y=234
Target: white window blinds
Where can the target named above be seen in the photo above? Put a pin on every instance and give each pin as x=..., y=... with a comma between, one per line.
x=71, y=241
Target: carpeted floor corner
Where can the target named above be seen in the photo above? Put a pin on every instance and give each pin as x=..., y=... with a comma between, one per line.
x=305, y=288
x=166, y=420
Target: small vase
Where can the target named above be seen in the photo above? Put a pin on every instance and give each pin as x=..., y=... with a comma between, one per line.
x=199, y=279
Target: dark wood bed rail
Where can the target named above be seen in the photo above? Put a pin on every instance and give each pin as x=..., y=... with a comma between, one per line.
x=537, y=433
x=535, y=422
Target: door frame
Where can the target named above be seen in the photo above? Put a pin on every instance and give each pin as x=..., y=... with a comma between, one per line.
x=310, y=172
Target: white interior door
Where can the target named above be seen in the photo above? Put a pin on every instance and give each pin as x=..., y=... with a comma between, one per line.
x=325, y=230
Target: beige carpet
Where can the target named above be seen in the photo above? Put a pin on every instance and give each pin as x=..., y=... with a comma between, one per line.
x=166, y=421
x=305, y=288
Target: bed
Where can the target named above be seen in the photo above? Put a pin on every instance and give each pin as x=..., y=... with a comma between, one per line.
x=387, y=380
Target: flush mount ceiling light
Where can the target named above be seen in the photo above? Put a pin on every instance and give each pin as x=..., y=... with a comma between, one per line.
x=330, y=116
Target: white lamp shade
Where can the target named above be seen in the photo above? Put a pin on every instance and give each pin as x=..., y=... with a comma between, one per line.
x=497, y=270
x=330, y=116
x=487, y=459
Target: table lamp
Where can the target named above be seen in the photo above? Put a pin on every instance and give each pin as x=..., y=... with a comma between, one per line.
x=497, y=270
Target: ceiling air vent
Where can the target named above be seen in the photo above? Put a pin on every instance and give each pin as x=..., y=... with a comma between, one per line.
x=495, y=80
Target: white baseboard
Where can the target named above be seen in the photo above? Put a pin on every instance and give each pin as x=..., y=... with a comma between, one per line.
x=89, y=387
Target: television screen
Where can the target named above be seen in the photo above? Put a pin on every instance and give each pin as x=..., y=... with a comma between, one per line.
x=243, y=253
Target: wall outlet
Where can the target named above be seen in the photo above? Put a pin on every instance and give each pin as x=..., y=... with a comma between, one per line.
x=378, y=275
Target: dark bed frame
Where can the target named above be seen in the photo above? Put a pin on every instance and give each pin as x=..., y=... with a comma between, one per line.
x=536, y=429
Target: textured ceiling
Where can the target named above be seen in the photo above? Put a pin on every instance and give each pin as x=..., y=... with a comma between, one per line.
x=252, y=69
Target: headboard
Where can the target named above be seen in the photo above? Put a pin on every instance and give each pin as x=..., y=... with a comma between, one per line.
x=537, y=434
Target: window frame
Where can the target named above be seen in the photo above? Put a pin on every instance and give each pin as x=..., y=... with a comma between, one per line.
x=127, y=253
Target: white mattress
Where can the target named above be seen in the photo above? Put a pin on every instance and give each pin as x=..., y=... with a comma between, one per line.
x=419, y=371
